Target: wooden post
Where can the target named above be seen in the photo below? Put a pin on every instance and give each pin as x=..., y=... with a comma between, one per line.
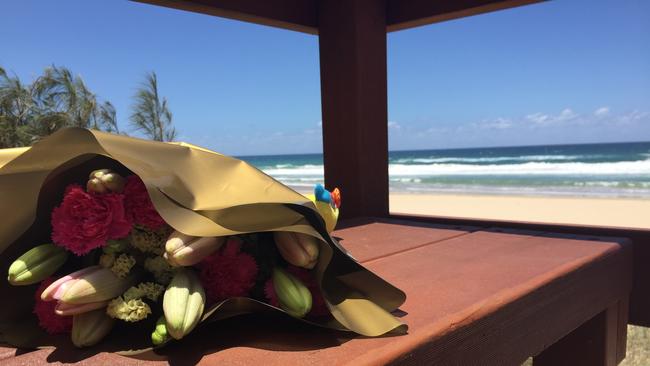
x=598, y=342
x=352, y=41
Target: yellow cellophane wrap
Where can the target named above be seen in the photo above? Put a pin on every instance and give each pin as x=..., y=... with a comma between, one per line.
x=197, y=192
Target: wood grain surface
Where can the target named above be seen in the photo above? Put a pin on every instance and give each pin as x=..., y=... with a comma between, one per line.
x=489, y=297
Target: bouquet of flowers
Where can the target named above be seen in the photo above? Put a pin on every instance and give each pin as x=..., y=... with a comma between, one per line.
x=140, y=263
x=138, y=244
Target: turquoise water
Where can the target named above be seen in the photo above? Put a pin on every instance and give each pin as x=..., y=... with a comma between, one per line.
x=604, y=170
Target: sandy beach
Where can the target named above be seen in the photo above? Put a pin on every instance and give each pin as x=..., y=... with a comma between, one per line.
x=628, y=213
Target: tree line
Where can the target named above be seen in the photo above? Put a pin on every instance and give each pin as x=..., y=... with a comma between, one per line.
x=58, y=99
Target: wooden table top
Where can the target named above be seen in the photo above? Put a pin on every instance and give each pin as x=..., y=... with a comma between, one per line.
x=493, y=295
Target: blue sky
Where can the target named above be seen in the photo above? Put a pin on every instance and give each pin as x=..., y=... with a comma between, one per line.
x=562, y=71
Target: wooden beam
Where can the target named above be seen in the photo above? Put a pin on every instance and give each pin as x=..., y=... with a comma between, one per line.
x=352, y=42
x=597, y=342
x=404, y=14
x=302, y=15
x=296, y=15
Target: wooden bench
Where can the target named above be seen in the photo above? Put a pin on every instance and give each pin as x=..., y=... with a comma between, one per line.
x=475, y=296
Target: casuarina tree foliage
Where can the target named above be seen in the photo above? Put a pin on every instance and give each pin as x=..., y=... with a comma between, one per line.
x=58, y=99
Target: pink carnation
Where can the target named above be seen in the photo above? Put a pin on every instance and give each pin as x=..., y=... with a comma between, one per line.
x=228, y=273
x=139, y=206
x=47, y=318
x=85, y=221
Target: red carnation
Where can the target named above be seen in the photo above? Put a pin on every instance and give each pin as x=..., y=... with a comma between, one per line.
x=47, y=318
x=228, y=273
x=139, y=206
x=85, y=221
x=318, y=307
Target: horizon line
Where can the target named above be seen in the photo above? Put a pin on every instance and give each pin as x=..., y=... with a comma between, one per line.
x=460, y=148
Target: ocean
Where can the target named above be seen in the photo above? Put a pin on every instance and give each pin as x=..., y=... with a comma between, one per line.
x=590, y=170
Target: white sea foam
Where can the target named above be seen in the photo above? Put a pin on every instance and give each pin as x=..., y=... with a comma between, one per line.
x=641, y=167
x=496, y=159
x=302, y=171
x=532, y=168
x=605, y=192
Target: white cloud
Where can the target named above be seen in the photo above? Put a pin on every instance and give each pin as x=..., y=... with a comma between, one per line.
x=539, y=119
x=496, y=124
x=633, y=117
x=562, y=126
x=439, y=130
x=566, y=115
x=394, y=125
x=601, y=112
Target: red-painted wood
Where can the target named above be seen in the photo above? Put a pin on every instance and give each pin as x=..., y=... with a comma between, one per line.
x=352, y=42
x=404, y=14
x=7, y=352
x=488, y=297
x=640, y=298
x=594, y=343
x=296, y=15
x=302, y=15
x=395, y=236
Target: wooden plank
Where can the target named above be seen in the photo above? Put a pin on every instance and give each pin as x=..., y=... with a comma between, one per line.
x=352, y=41
x=296, y=15
x=623, y=318
x=486, y=296
x=639, y=313
x=640, y=298
x=404, y=14
x=302, y=15
x=7, y=352
x=594, y=343
x=81, y=358
x=373, y=238
x=518, y=293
